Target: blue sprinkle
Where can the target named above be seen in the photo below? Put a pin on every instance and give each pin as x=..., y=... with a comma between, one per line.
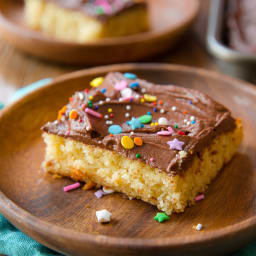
x=1, y=106
x=130, y=76
x=154, y=109
x=193, y=122
x=134, y=85
x=96, y=107
x=135, y=123
x=103, y=90
x=115, y=129
x=190, y=102
x=149, y=113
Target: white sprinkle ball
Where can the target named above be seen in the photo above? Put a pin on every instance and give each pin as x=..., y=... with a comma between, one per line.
x=127, y=115
x=131, y=133
x=100, y=102
x=87, y=128
x=199, y=227
x=162, y=111
x=137, y=96
x=174, y=108
x=103, y=216
x=109, y=122
x=143, y=90
x=120, y=99
x=126, y=93
x=107, y=99
x=81, y=95
x=106, y=116
x=188, y=123
x=185, y=120
x=128, y=107
x=162, y=121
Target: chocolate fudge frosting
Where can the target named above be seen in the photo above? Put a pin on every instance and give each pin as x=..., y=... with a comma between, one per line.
x=242, y=25
x=100, y=9
x=163, y=117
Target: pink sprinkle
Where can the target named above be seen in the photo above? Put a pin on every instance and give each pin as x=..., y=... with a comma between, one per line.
x=127, y=98
x=121, y=85
x=199, y=197
x=99, y=193
x=166, y=133
x=93, y=113
x=152, y=159
x=71, y=187
x=105, y=5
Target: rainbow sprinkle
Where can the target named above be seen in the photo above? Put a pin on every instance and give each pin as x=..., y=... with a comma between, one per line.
x=71, y=187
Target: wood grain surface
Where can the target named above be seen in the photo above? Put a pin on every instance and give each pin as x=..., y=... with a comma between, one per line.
x=18, y=69
x=66, y=222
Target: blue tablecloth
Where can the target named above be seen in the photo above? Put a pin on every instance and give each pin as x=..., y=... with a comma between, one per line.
x=15, y=243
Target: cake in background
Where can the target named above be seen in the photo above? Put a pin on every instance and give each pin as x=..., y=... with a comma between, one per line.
x=241, y=25
x=87, y=20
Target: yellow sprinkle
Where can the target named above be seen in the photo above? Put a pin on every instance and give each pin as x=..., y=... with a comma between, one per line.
x=142, y=100
x=110, y=110
x=73, y=114
x=91, y=98
x=156, y=123
x=62, y=112
x=97, y=81
x=150, y=98
x=127, y=142
x=152, y=124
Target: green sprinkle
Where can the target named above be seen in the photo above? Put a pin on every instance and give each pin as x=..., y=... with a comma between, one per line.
x=99, y=11
x=137, y=155
x=90, y=105
x=161, y=217
x=145, y=119
x=89, y=101
x=176, y=126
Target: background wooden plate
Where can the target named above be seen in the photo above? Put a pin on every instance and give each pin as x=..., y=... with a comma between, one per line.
x=169, y=19
x=36, y=204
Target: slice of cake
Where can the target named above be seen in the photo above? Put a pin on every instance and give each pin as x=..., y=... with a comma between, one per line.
x=241, y=24
x=161, y=144
x=86, y=20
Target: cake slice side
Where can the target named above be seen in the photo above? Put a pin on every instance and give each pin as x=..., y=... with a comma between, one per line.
x=86, y=163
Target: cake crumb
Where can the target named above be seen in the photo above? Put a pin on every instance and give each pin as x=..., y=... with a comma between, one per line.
x=57, y=176
x=107, y=190
x=89, y=185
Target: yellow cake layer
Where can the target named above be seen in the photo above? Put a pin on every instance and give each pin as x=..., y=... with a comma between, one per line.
x=136, y=179
x=71, y=25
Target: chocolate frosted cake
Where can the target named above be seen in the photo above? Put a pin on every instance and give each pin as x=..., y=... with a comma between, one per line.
x=242, y=25
x=87, y=20
x=161, y=144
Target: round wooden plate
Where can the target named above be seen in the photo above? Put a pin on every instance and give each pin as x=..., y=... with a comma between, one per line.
x=169, y=20
x=36, y=203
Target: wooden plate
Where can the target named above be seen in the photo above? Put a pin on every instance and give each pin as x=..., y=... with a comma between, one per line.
x=35, y=202
x=169, y=19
